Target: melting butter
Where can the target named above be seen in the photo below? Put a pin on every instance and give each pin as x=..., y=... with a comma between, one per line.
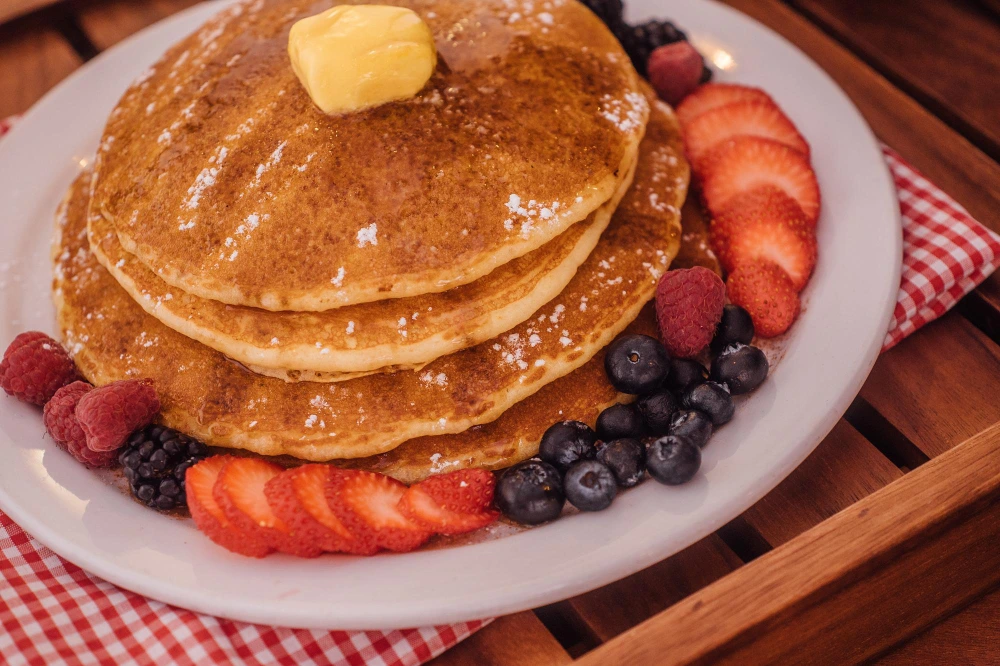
x=353, y=57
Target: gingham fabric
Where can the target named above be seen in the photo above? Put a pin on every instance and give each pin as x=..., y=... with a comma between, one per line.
x=946, y=253
x=54, y=613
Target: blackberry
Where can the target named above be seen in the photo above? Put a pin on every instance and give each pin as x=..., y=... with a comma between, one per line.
x=642, y=39
x=154, y=461
x=609, y=11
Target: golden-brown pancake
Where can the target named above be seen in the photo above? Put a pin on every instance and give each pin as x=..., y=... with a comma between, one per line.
x=220, y=174
x=356, y=340
x=514, y=436
x=221, y=402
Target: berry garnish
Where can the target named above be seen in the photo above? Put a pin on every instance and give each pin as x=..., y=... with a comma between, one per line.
x=109, y=414
x=656, y=409
x=674, y=70
x=34, y=367
x=60, y=420
x=368, y=505
x=684, y=374
x=531, y=492
x=155, y=462
x=766, y=224
x=609, y=11
x=590, y=486
x=239, y=492
x=619, y=421
x=713, y=399
x=740, y=367
x=746, y=118
x=736, y=327
x=639, y=41
x=715, y=95
x=566, y=442
x=636, y=364
x=746, y=163
x=767, y=293
x=298, y=497
x=673, y=460
x=693, y=425
x=626, y=458
x=452, y=503
x=689, y=305
x=209, y=516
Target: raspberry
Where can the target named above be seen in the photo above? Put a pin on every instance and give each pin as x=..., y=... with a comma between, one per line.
x=59, y=414
x=34, y=367
x=689, y=306
x=60, y=420
x=108, y=415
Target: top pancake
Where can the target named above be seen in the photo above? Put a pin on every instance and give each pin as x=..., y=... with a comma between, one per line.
x=220, y=174
x=222, y=403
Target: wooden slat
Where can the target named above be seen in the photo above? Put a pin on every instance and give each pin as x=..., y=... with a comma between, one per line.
x=943, y=53
x=843, y=469
x=515, y=640
x=11, y=9
x=969, y=637
x=891, y=554
x=940, y=386
x=612, y=609
x=33, y=60
x=110, y=21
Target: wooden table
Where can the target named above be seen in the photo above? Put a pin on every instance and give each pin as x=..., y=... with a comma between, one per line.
x=883, y=546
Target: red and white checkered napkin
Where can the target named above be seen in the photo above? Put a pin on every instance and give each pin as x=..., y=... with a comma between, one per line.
x=53, y=612
x=946, y=253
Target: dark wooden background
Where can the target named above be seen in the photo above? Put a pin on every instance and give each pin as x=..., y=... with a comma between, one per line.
x=926, y=75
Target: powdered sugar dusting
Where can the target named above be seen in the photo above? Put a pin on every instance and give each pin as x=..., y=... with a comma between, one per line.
x=368, y=235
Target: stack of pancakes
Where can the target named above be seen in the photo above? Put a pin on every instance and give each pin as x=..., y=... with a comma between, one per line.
x=418, y=287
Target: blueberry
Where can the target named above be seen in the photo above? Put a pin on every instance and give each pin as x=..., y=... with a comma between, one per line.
x=626, y=458
x=673, y=460
x=642, y=39
x=636, y=364
x=713, y=399
x=531, y=492
x=619, y=421
x=736, y=326
x=590, y=486
x=740, y=367
x=566, y=442
x=656, y=409
x=691, y=423
x=684, y=374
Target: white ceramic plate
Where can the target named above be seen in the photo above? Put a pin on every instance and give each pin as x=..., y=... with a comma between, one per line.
x=828, y=356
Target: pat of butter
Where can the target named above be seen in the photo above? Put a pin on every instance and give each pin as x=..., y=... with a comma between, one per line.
x=353, y=57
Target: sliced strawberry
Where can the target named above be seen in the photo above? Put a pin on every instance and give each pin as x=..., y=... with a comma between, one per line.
x=747, y=163
x=208, y=515
x=713, y=95
x=418, y=505
x=466, y=490
x=239, y=491
x=763, y=290
x=298, y=497
x=452, y=503
x=766, y=224
x=748, y=118
x=367, y=504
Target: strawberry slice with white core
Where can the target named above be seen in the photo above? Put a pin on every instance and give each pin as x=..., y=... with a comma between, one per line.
x=298, y=497
x=713, y=95
x=209, y=517
x=239, y=490
x=747, y=163
x=367, y=504
x=422, y=508
x=747, y=118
